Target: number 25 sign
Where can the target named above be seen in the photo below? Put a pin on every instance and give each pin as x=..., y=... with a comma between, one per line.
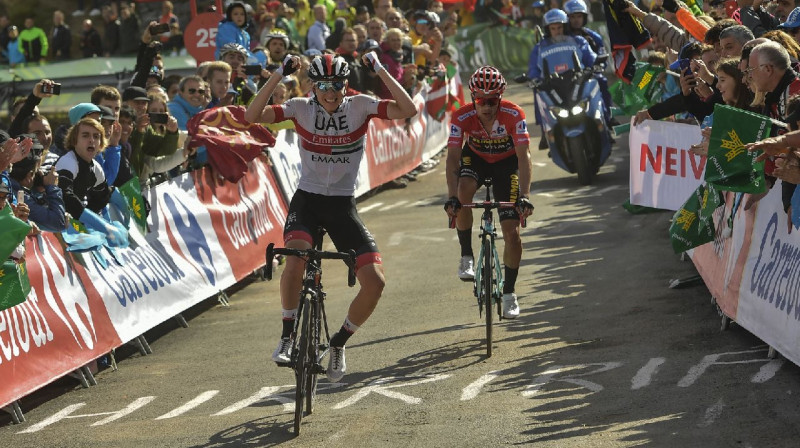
x=200, y=36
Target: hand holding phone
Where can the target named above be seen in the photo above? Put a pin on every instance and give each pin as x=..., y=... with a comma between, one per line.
x=252, y=70
x=52, y=88
x=158, y=118
x=161, y=28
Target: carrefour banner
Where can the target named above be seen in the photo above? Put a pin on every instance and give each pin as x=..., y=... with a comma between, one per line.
x=663, y=172
x=753, y=269
x=203, y=237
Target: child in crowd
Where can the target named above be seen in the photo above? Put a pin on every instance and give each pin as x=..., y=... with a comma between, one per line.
x=13, y=53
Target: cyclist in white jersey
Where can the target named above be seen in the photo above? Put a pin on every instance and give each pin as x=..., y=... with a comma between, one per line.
x=331, y=129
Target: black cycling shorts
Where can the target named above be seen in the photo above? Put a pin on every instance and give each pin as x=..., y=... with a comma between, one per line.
x=504, y=175
x=339, y=217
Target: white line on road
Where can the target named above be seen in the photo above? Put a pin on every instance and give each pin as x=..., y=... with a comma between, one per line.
x=394, y=205
x=138, y=403
x=381, y=387
x=768, y=371
x=712, y=414
x=197, y=401
x=645, y=374
x=370, y=207
x=472, y=390
x=258, y=396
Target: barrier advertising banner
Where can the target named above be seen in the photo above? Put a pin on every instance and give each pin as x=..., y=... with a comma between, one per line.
x=663, y=172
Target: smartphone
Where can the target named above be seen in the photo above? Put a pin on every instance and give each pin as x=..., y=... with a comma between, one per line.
x=252, y=70
x=684, y=63
x=161, y=28
x=54, y=89
x=20, y=197
x=273, y=67
x=158, y=118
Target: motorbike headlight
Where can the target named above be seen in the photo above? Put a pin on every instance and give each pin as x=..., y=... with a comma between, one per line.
x=559, y=112
x=576, y=110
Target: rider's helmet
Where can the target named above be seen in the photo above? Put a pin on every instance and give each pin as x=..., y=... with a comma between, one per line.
x=487, y=80
x=573, y=6
x=328, y=67
x=232, y=47
x=555, y=15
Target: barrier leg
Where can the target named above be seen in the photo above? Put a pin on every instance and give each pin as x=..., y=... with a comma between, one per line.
x=18, y=410
x=683, y=282
x=772, y=353
x=138, y=344
x=113, y=356
x=145, y=345
x=89, y=376
x=13, y=411
x=78, y=374
x=222, y=297
x=181, y=321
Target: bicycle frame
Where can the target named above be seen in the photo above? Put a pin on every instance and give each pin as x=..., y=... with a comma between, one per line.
x=308, y=349
x=489, y=235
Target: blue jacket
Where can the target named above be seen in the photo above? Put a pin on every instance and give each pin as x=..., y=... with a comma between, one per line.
x=14, y=55
x=47, y=208
x=109, y=160
x=182, y=110
x=228, y=32
x=559, y=56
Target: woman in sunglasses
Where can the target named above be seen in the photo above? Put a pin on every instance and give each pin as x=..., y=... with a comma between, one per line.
x=497, y=146
x=332, y=130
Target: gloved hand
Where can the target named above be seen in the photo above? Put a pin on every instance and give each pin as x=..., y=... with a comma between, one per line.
x=452, y=205
x=372, y=62
x=523, y=206
x=289, y=66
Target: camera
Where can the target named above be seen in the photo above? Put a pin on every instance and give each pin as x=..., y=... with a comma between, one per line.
x=161, y=28
x=158, y=118
x=54, y=89
x=252, y=70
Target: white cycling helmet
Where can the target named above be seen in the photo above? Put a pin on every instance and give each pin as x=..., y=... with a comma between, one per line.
x=555, y=16
x=573, y=6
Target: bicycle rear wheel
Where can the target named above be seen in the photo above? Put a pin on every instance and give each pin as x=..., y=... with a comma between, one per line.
x=487, y=273
x=313, y=356
x=301, y=368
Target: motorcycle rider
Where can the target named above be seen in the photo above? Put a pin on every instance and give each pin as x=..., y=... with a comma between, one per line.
x=578, y=16
x=557, y=47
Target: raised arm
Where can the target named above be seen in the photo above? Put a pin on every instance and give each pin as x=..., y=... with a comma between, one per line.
x=257, y=111
x=401, y=105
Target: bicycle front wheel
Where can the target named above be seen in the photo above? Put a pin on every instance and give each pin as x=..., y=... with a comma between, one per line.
x=313, y=356
x=301, y=367
x=487, y=274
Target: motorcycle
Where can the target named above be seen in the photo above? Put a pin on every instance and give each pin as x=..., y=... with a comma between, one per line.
x=571, y=109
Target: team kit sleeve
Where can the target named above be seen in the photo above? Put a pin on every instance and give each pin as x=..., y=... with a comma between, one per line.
x=456, y=138
x=287, y=110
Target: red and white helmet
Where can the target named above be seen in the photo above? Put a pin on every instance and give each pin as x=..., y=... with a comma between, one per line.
x=328, y=67
x=487, y=80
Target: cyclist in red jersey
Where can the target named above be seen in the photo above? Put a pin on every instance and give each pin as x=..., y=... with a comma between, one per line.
x=331, y=127
x=489, y=138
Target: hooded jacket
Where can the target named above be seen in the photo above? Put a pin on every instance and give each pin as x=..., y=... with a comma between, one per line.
x=228, y=31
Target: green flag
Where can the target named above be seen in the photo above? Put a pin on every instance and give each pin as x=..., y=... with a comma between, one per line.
x=712, y=199
x=132, y=192
x=14, y=284
x=687, y=229
x=730, y=166
x=13, y=231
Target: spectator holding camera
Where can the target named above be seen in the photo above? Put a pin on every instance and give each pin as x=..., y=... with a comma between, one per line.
x=189, y=101
x=164, y=124
x=41, y=90
x=145, y=140
x=40, y=188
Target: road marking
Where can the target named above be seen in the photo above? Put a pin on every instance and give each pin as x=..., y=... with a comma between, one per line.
x=645, y=374
x=472, y=390
x=698, y=369
x=391, y=206
x=396, y=238
x=550, y=375
x=423, y=202
x=263, y=393
x=381, y=386
x=197, y=401
x=768, y=370
x=138, y=403
x=603, y=191
x=60, y=415
x=370, y=207
x=712, y=413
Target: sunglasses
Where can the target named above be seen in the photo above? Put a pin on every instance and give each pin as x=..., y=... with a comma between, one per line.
x=193, y=91
x=330, y=85
x=487, y=101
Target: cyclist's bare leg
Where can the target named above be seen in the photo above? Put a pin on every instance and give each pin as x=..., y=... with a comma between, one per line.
x=512, y=250
x=467, y=187
x=372, y=280
x=292, y=277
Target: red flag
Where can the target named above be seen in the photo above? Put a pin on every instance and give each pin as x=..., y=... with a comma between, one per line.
x=436, y=103
x=231, y=141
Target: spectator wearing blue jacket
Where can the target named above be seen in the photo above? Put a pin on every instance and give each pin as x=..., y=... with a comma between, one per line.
x=42, y=194
x=233, y=28
x=12, y=52
x=190, y=100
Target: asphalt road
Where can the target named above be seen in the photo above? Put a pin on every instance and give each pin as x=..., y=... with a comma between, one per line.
x=604, y=354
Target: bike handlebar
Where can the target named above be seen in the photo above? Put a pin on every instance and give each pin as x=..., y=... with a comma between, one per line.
x=488, y=206
x=312, y=254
